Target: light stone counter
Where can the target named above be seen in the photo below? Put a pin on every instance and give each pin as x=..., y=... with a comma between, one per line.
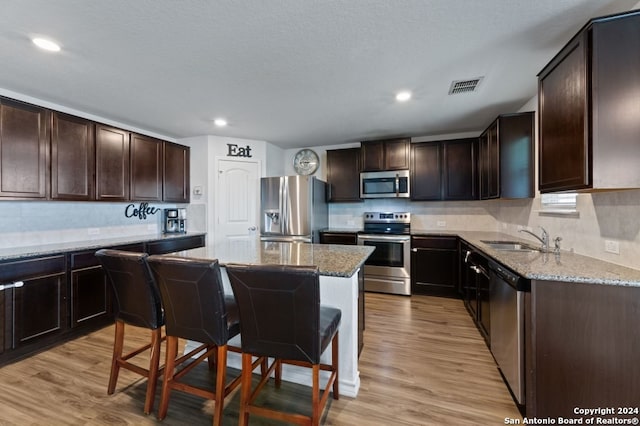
x=534, y=265
x=339, y=268
x=331, y=260
x=59, y=248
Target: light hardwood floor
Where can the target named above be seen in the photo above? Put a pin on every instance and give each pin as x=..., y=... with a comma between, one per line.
x=423, y=363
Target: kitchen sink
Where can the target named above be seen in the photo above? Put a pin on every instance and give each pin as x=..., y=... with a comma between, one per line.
x=510, y=245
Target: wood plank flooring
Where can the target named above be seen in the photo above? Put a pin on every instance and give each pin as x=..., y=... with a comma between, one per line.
x=423, y=363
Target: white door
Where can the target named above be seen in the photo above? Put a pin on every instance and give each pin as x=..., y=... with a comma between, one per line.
x=237, y=200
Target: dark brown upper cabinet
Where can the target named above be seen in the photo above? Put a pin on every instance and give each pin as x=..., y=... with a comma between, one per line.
x=112, y=164
x=146, y=168
x=343, y=175
x=426, y=171
x=460, y=169
x=589, y=118
x=73, y=158
x=506, y=157
x=444, y=170
x=391, y=154
x=176, y=173
x=24, y=139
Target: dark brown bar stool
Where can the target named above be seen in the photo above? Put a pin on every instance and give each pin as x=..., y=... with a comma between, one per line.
x=196, y=309
x=137, y=303
x=281, y=317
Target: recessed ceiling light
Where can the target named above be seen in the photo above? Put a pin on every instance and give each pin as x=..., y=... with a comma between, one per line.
x=403, y=96
x=45, y=44
x=220, y=122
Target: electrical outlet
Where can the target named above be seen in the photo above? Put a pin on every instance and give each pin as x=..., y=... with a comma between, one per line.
x=611, y=246
x=441, y=223
x=93, y=231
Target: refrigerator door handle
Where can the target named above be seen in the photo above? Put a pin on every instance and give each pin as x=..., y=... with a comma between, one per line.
x=283, y=205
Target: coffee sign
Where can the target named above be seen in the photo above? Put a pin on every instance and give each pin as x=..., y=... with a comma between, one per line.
x=141, y=212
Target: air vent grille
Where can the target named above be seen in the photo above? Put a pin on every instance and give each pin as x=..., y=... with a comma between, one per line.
x=464, y=86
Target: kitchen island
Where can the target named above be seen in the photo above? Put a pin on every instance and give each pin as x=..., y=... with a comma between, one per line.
x=340, y=286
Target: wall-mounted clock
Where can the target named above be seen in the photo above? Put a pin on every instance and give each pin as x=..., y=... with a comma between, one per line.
x=306, y=162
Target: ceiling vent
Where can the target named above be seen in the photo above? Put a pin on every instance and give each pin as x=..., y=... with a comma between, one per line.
x=464, y=86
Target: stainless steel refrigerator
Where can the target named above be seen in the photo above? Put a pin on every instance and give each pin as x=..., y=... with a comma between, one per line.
x=293, y=208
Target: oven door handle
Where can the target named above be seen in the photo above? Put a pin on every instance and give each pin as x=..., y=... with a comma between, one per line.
x=385, y=238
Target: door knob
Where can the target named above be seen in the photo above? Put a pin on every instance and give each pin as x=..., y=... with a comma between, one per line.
x=252, y=228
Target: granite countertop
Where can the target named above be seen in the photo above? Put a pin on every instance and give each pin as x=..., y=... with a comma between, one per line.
x=58, y=248
x=332, y=260
x=534, y=265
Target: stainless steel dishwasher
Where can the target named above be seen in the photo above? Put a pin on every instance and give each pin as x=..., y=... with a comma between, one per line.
x=506, y=298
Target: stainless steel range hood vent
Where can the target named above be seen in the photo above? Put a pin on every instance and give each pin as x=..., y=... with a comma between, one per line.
x=464, y=86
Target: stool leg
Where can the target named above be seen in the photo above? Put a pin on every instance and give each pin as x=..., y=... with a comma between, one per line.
x=315, y=396
x=335, y=364
x=118, y=343
x=278, y=373
x=154, y=362
x=169, y=366
x=245, y=391
x=211, y=360
x=221, y=374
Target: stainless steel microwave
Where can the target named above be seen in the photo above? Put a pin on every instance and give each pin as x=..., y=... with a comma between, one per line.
x=388, y=184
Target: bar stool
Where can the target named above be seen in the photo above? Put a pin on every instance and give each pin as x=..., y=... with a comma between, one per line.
x=281, y=317
x=137, y=303
x=196, y=309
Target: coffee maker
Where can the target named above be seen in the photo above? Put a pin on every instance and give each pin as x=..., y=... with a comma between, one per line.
x=174, y=221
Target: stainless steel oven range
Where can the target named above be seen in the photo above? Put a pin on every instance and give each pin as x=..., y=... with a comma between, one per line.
x=387, y=269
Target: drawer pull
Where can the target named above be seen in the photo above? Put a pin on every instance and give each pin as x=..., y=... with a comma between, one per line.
x=17, y=284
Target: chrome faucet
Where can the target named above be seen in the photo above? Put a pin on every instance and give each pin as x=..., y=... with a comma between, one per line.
x=544, y=239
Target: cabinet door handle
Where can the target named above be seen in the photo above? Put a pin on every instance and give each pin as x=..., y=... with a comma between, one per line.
x=415, y=250
x=17, y=284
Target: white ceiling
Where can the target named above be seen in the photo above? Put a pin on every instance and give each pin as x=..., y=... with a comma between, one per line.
x=292, y=72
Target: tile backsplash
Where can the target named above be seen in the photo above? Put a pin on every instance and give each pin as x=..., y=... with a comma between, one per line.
x=602, y=216
x=29, y=223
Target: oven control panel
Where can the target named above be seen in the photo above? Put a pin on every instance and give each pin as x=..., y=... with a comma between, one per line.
x=387, y=217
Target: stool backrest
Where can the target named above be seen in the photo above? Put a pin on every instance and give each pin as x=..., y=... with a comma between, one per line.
x=137, y=298
x=279, y=310
x=193, y=298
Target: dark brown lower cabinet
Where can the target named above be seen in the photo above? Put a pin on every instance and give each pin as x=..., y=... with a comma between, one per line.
x=91, y=293
x=46, y=300
x=345, y=238
x=582, y=349
x=3, y=321
x=38, y=306
x=39, y=309
x=474, y=287
x=434, y=265
x=90, y=296
x=174, y=244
